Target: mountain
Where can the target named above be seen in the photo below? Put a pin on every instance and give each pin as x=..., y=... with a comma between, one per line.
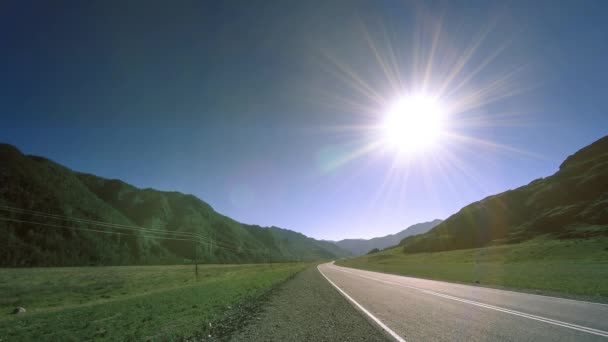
x=362, y=246
x=51, y=215
x=572, y=203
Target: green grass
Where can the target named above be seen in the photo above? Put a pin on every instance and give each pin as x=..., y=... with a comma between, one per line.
x=568, y=268
x=127, y=302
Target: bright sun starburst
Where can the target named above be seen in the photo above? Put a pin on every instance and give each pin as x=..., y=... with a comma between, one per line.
x=422, y=102
x=414, y=123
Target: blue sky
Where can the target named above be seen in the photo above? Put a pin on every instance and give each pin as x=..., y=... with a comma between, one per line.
x=245, y=104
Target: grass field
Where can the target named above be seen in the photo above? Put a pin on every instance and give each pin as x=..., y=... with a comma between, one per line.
x=568, y=268
x=129, y=302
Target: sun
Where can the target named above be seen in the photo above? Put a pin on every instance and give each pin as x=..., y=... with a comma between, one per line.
x=413, y=123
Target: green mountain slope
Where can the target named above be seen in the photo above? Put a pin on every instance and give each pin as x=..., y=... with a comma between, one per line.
x=39, y=185
x=572, y=203
x=362, y=246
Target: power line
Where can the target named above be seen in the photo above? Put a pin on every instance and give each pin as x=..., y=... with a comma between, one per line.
x=89, y=229
x=101, y=223
x=126, y=227
x=109, y=232
x=104, y=224
x=201, y=239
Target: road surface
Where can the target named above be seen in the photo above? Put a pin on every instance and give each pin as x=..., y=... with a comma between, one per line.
x=413, y=309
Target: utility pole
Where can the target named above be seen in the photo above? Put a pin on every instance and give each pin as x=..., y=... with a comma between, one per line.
x=270, y=257
x=195, y=262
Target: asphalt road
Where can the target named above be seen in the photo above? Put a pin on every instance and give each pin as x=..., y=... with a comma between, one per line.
x=416, y=309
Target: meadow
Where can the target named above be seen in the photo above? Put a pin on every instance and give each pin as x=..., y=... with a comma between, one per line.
x=152, y=303
x=573, y=268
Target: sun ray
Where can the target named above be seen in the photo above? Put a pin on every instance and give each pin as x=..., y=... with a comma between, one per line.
x=471, y=75
x=393, y=59
x=478, y=142
x=431, y=57
x=351, y=105
x=351, y=78
x=388, y=73
x=462, y=61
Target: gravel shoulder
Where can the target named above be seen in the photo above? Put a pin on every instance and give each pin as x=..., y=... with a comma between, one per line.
x=308, y=308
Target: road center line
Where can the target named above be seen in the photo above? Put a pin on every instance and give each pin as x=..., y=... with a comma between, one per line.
x=364, y=310
x=487, y=306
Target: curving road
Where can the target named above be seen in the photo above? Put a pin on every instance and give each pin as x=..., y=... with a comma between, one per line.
x=416, y=309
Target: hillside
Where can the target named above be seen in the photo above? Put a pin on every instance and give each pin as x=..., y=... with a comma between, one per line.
x=571, y=204
x=362, y=246
x=176, y=223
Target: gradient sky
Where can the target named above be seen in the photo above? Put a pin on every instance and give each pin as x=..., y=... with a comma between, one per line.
x=250, y=105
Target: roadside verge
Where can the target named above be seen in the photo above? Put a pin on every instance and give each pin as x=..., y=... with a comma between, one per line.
x=308, y=308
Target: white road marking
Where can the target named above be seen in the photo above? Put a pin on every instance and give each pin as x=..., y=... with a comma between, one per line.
x=488, y=306
x=364, y=310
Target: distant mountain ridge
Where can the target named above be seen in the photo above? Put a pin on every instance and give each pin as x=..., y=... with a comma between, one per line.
x=572, y=203
x=45, y=188
x=361, y=246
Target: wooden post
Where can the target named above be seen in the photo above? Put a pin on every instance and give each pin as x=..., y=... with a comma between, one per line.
x=270, y=257
x=195, y=263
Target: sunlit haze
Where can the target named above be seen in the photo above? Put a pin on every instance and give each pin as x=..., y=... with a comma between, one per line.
x=337, y=119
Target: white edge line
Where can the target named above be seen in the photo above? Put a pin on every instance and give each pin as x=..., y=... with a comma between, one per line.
x=482, y=287
x=364, y=310
x=492, y=307
x=535, y=294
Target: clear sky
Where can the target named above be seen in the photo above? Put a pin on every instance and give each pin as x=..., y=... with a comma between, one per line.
x=268, y=110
